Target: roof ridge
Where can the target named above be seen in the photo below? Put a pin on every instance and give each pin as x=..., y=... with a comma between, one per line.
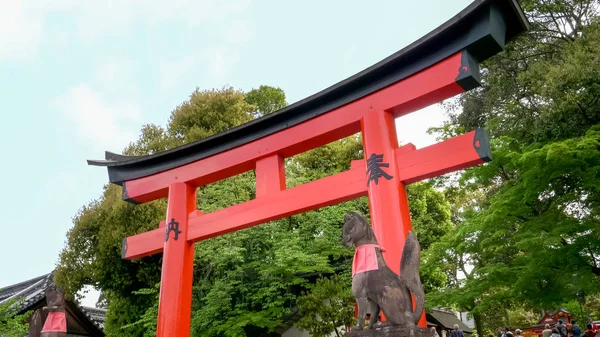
x=30, y=281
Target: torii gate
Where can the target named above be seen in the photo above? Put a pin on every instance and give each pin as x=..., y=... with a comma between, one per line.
x=440, y=65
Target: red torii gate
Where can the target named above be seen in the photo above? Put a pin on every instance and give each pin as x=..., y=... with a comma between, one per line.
x=438, y=66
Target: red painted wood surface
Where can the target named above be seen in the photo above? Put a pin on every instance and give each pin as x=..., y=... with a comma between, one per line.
x=435, y=160
x=388, y=203
x=373, y=115
x=429, y=86
x=412, y=165
x=326, y=191
x=319, y=193
x=175, y=301
x=270, y=175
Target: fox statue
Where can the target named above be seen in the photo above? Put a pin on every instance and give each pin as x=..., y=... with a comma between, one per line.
x=55, y=324
x=374, y=285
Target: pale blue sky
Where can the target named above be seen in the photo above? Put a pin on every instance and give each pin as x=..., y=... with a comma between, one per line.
x=80, y=77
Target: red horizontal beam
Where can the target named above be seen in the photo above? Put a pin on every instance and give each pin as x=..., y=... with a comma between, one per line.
x=429, y=86
x=454, y=154
x=413, y=165
x=327, y=191
x=143, y=244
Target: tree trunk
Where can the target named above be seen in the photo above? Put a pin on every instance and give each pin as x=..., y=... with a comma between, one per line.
x=478, y=326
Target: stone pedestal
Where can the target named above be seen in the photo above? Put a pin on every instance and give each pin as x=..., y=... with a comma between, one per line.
x=391, y=331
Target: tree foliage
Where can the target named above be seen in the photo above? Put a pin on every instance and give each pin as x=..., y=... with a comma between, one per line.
x=328, y=306
x=526, y=224
x=247, y=282
x=13, y=324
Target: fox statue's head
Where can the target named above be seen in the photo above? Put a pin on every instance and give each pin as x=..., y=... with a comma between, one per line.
x=356, y=231
x=55, y=299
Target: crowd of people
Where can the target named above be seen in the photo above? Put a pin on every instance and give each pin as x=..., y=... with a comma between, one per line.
x=505, y=332
x=560, y=329
x=456, y=332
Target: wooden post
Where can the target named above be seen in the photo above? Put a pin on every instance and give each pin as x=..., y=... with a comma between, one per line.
x=175, y=302
x=388, y=203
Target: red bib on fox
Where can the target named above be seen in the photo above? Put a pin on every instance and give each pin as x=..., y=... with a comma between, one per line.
x=365, y=259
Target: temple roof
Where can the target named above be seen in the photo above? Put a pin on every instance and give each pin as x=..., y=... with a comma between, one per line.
x=446, y=319
x=32, y=292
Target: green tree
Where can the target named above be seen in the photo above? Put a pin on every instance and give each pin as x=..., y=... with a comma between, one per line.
x=525, y=225
x=92, y=256
x=266, y=99
x=246, y=282
x=13, y=324
x=327, y=307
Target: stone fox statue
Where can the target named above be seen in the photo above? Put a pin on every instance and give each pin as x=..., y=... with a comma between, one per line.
x=56, y=321
x=377, y=287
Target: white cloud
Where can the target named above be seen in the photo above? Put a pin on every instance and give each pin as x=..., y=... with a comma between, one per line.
x=106, y=125
x=220, y=61
x=61, y=187
x=412, y=128
x=119, y=16
x=116, y=75
x=23, y=25
x=171, y=72
x=20, y=30
x=214, y=63
x=239, y=32
x=90, y=296
x=194, y=12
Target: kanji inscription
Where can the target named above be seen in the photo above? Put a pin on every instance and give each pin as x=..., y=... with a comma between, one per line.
x=172, y=226
x=374, y=169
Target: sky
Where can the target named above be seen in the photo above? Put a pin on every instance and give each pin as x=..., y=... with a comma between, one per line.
x=81, y=77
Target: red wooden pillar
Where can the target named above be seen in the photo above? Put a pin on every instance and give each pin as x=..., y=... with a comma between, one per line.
x=175, y=302
x=270, y=175
x=388, y=202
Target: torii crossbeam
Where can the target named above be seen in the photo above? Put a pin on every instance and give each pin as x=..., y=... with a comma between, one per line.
x=442, y=64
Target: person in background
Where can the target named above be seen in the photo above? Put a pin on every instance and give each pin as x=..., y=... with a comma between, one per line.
x=562, y=329
x=518, y=333
x=434, y=332
x=590, y=331
x=594, y=326
x=547, y=331
x=456, y=332
x=555, y=333
x=575, y=329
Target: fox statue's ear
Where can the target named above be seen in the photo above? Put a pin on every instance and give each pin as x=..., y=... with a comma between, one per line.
x=365, y=225
x=347, y=217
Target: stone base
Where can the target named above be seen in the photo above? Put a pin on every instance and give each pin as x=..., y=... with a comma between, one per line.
x=391, y=331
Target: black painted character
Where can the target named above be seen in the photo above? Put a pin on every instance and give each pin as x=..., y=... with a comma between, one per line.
x=172, y=226
x=374, y=168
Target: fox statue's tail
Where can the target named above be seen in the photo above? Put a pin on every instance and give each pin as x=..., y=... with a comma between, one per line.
x=409, y=273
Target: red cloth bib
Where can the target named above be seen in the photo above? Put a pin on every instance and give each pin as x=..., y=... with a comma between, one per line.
x=56, y=321
x=365, y=259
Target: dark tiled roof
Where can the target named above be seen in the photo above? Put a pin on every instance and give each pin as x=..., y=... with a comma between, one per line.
x=32, y=292
x=96, y=315
x=447, y=320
